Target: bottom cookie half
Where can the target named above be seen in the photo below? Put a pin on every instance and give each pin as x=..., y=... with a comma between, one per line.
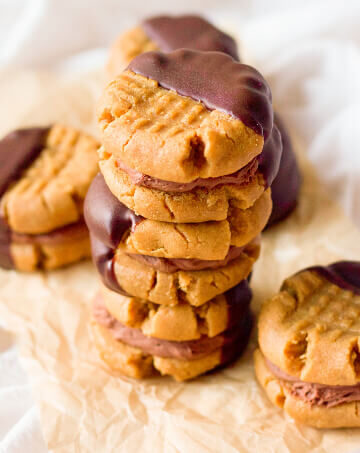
x=56, y=249
x=345, y=415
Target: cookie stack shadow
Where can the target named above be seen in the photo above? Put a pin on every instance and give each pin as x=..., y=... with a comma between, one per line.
x=175, y=216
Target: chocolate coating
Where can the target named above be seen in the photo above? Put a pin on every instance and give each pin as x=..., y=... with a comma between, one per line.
x=238, y=299
x=192, y=32
x=286, y=186
x=107, y=219
x=344, y=274
x=216, y=80
x=269, y=159
x=18, y=150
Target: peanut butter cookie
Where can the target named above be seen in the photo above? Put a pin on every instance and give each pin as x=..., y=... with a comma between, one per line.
x=157, y=118
x=45, y=174
x=309, y=360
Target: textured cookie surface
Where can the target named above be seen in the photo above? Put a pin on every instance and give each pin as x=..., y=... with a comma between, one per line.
x=193, y=287
x=50, y=192
x=311, y=330
x=343, y=415
x=180, y=322
x=197, y=205
x=175, y=138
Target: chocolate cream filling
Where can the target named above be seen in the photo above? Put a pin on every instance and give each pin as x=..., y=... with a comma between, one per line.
x=109, y=220
x=316, y=394
x=194, y=32
x=171, y=265
x=18, y=150
x=233, y=338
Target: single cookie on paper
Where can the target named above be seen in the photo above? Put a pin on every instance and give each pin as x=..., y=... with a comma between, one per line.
x=168, y=33
x=44, y=176
x=131, y=352
x=308, y=359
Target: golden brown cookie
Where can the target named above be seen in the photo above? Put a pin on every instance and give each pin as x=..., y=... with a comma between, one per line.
x=197, y=205
x=309, y=340
x=167, y=33
x=45, y=174
x=180, y=322
x=174, y=137
x=193, y=287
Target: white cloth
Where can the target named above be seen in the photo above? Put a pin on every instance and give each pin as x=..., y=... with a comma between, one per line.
x=309, y=51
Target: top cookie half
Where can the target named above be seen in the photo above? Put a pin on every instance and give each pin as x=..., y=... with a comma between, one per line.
x=185, y=115
x=168, y=33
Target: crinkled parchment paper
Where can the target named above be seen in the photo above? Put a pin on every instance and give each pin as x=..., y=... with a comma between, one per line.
x=84, y=407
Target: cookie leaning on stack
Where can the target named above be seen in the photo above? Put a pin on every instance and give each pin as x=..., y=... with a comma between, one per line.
x=175, y=298
x=42, y=193
x=309, y=339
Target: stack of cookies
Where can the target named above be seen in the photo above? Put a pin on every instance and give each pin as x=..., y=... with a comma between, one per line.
x=189, y=153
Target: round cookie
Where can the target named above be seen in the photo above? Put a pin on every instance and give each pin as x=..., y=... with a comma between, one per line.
x=107, y=217
x=168, y=33
x=180, y=322
x=42, y=192
x=309, y=360
x=286, y=186
x=157, y=119
x=130, y=352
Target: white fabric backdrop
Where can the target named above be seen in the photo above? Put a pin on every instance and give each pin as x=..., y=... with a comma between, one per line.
x=308, y=50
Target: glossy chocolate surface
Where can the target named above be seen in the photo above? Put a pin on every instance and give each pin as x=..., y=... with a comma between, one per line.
x=216, y=80
x=18, y=150
x=191, y=32
x=107, y=219
x=286, y=186
x=344, y=274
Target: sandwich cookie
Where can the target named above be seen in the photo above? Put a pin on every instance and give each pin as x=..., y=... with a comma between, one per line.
x=45, y=174
x=308, y=359
x=135, y=354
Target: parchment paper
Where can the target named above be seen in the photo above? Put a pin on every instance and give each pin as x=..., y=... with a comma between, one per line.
x=84, y=407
